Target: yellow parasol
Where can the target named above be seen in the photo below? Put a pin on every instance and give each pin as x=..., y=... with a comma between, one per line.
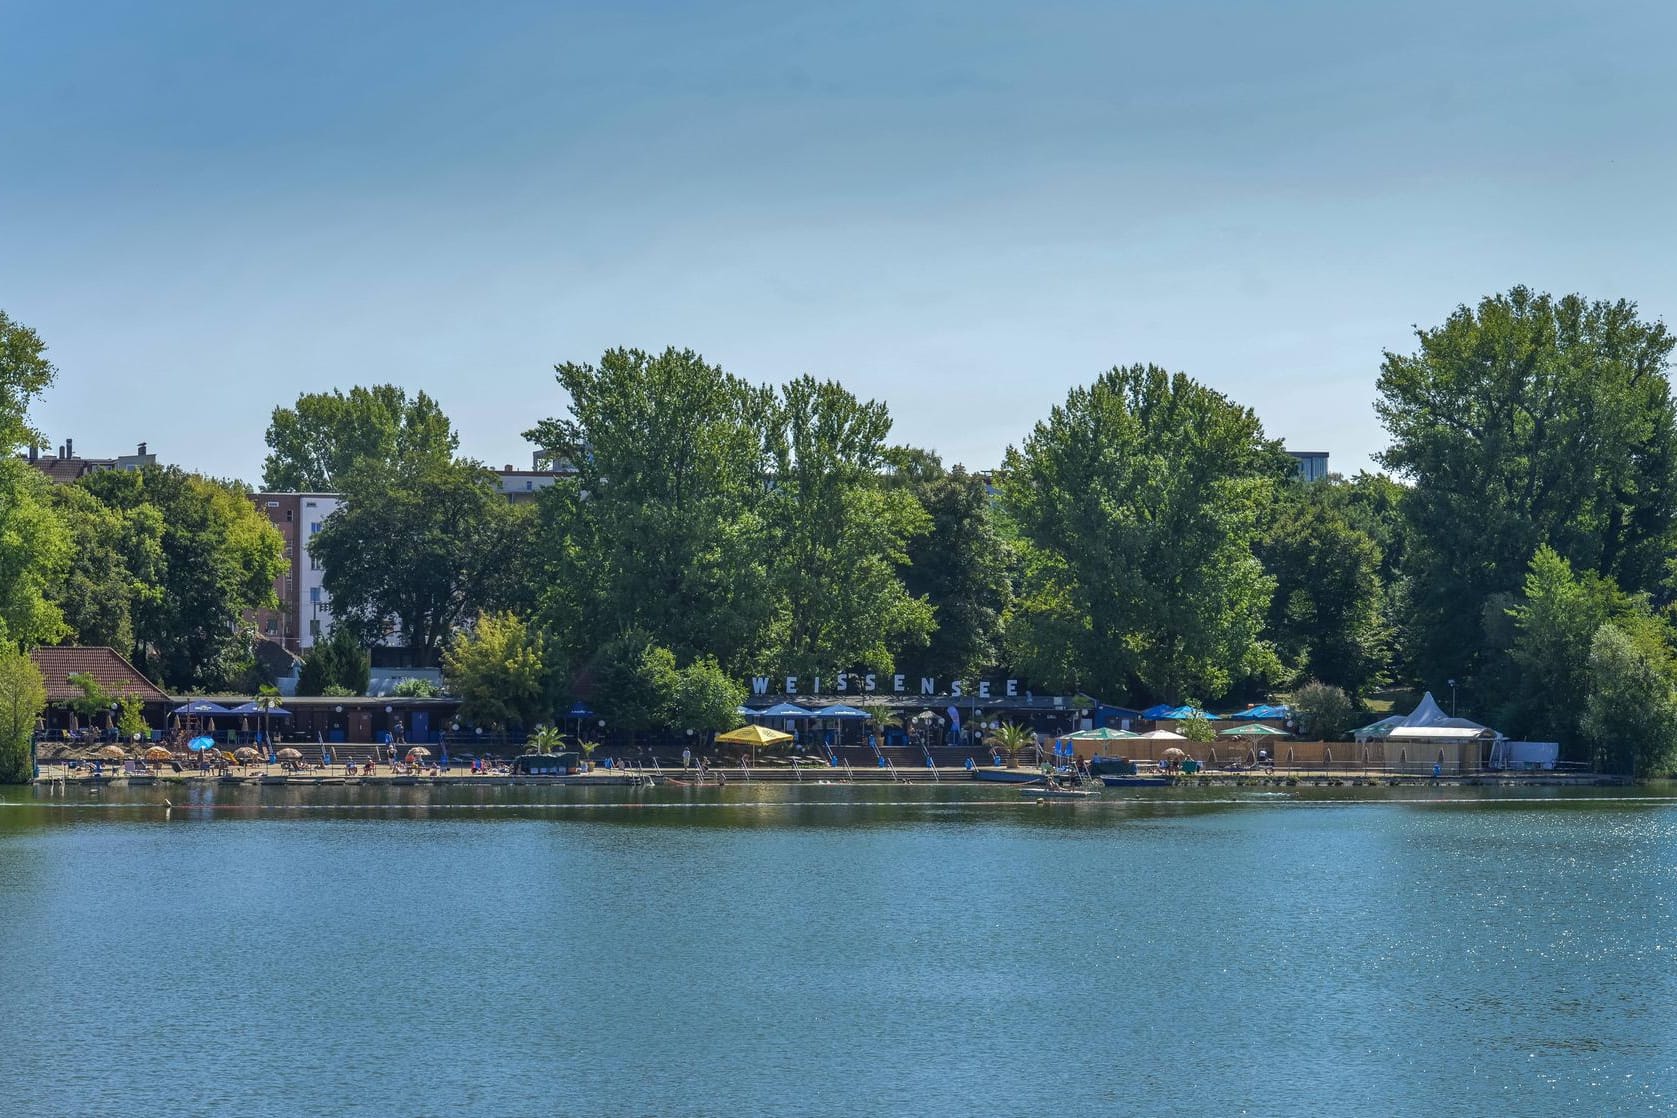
x=753, y=735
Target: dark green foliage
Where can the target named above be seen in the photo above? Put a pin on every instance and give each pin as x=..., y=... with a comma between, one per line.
x=417, y=548
x=1631, y=714
x=200, y=556
x=1325, y=619
x=670, y=539
x=1522, y=422
x=962, y=567
x=318, y=442
x=1137, y=503
x=338, y=662
x=838, y=535
x=1324, y=711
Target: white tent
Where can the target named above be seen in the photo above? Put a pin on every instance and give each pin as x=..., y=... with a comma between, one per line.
x=1428, y=722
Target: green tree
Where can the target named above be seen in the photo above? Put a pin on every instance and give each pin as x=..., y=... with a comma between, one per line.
x=93, y=701
x=1323, y=710
x=214, y=558
x=338, y=664
x=1137, y=502
x=1326, y=617
x=112, y=566
x=1196, y=727
x=503, y=672
x=1526, y=421
x=706, y=699
x=840, y=535
x=25, y=373
x=417, y=549
x=661, y=531
x=131, y=717
x=1555, y=621
x=34, y=554
x=961, y=566
x=1631, y=714
x=634, y=682
x=317, y=443
x=23, y=695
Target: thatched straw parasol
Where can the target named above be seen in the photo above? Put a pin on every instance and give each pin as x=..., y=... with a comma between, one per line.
x=158, y=753
x=1174, y=754
x=289, y=754
x=246, y=753
x=113, y=753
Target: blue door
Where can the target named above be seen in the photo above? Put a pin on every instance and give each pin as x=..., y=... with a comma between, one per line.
x=419, y=728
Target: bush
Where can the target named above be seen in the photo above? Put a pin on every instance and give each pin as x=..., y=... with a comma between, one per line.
x=1324, y=711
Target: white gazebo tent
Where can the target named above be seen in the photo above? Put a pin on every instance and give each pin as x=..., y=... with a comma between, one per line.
x=1427, y=736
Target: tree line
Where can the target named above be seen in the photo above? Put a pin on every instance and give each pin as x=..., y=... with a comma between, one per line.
x=1145, y=541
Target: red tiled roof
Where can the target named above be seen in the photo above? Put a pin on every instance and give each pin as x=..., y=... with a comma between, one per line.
x=107, y=667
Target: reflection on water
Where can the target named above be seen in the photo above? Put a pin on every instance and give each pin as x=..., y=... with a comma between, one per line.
x=867, y=950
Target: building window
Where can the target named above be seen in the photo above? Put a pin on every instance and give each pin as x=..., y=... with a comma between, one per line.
x=314, y=526
x=270, y=627
x=288, y=516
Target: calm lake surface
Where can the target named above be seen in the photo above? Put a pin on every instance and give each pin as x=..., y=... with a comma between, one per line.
x=774, y=950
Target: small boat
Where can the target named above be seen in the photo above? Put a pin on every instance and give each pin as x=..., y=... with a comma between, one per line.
x=1137, y=781
x=1008, y=776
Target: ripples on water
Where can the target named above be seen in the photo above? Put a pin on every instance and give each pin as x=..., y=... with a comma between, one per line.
x=834, y=950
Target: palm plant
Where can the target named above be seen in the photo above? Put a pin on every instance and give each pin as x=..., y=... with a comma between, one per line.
x=547, y=739
x=1011, y=737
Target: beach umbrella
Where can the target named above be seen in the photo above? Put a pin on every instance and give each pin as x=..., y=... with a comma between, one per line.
x=785, y=710
x=198, y=745
x=246, y=753
x=1161, y=735
x=754, y=736
x=289, y=755
x=1174, y=754
x=417, y=753
x=1104, y=733
x=1252, y=730
x=199, y=707
x=113, y=753
x=158, y=753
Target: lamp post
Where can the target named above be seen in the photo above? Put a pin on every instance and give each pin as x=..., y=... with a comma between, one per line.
x=1452, y=684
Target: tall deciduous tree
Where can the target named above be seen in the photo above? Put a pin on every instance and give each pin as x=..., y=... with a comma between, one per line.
x=112, y=569
x=840, y=535
x=25, y=373
x=23, y=695
x=215, y=558
x=1325, y=618
x=1525, y=421
x=415, y=549
x=315, y=444
x=962, y=567
x=661, y=531
x=1137, y=502
x=1631, y=713
x=34, y=554
x=503, y=672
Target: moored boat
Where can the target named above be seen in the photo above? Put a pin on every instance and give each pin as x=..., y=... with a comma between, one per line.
x=1008, y=776
x=1136, y=781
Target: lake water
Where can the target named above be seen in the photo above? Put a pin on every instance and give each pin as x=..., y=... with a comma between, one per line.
x=822, y=951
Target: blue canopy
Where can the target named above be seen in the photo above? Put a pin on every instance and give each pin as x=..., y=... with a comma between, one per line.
x=200, y=706
x=839, y=710
x=198, y=745
x=785, y=710
x=580, y=710
x=1264, y=710
x=1159, y=711
x=1176, y=714
x=252, y=708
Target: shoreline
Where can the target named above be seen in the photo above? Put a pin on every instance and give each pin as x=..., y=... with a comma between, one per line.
x=736, y=777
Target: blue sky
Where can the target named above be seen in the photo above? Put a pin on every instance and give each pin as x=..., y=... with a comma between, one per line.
x=960, y=208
